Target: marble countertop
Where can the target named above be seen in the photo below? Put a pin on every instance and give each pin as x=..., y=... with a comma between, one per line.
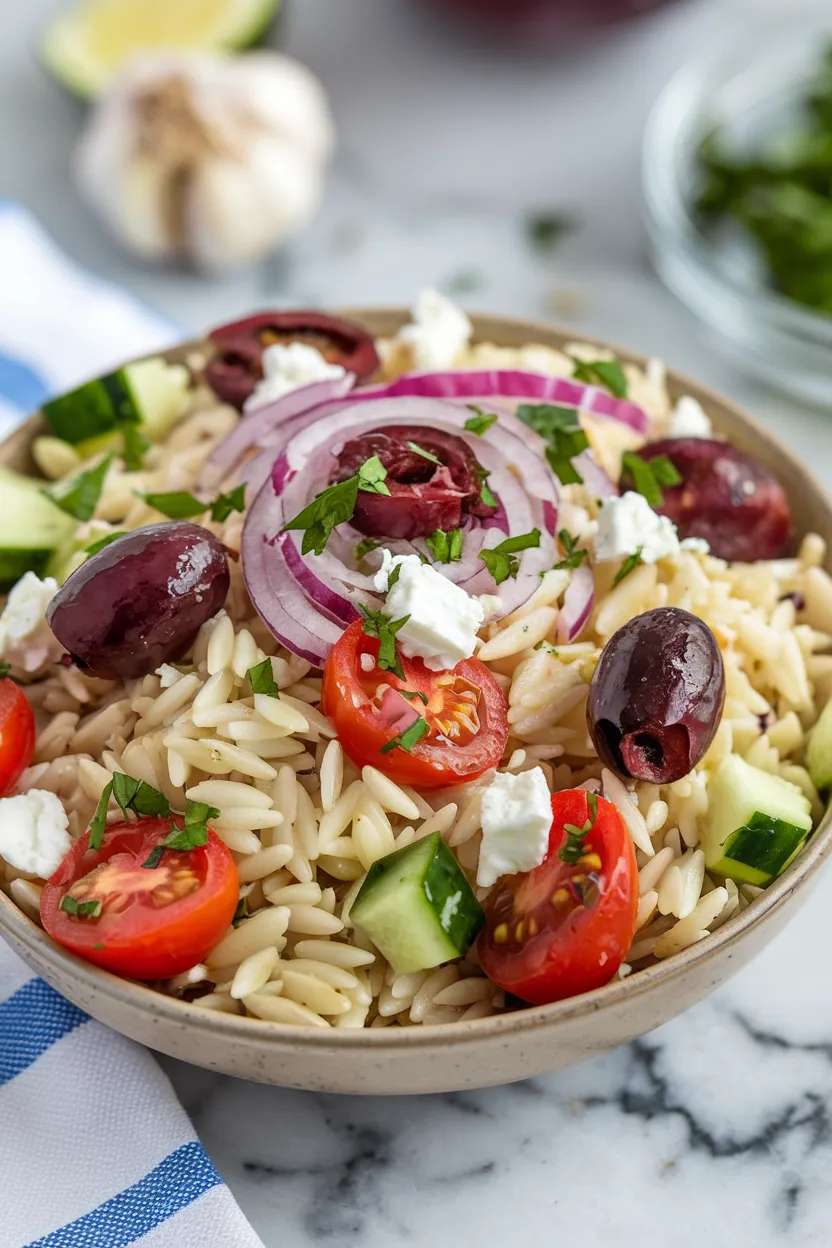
x=717, y=1129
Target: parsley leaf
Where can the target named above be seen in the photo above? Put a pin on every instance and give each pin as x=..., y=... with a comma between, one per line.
x=481, y=421
x=336, y=504
x=94, y=547
x=80, y=909
x=191, y=836
x=377, y=624
x=560, y=426
x=138, y=796
x=410, y=694
x=573, y=849
x=261, y=678
x=486, y=496
x=446, y=547
x=241, y=912
x=606, y=373
x=79, y=497
x=393, y=576
x=371, y=476
x=407, y=739
x=134, y=446
x=649, y=476
x=632, y=561
x=420, y=450
x=224, y=504
x=574, y=556
x=180, y=505
x=365, y=546
x=500, y=559
x=99, y=820
x=5, y=669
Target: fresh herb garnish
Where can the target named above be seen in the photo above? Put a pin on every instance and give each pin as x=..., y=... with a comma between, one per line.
x=336, y=504
x=650, y=475
x=607, y=373
x=191, y=836
x=393, y=575
x=420, y=450
x=481, y=421
x=407, y=739
x=79, y=497
x=446, y=547
x=261, y=678
x=574, y=556
x=486, y=496
x=241, y=912
x=544, y=230
x=365, y=546
x=134, y=446
x=140, y=797
x=500, y=560
x=632, y=561
x=560, y=426
x=80, y=909
x=378, y=625
x=5, y=669
x=573, y=849
x=94, y=547
x=180, y=505
x=99, y=820
x=410, y=694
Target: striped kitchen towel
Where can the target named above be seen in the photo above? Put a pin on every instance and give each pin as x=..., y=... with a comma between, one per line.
x=95, y=1150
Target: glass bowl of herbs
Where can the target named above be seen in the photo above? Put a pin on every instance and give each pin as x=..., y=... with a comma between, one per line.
x=737, y=172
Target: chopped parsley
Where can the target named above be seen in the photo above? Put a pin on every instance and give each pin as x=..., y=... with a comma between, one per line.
x=481, y=421
x=632, y=561
x=560, y=427
x=606, y=373
x=79, y=497
x=574, y=556
x=407, y=739
x=500, y=560
x=94, y=547
x=180, y=505
x=140, y=797
x=649, y=476
x=486, y=496
x=336, y=504
x=241, y=913
x=134, y=446
x=420, y=450
x=572, y=850
x=378, y=625
x=80, y=909
x=365, y=546
x=191, y=836
x=99, y=820
x=261, y=678
x=224, y=504
x=446, y=547
x=5, y=669
x=410, y=694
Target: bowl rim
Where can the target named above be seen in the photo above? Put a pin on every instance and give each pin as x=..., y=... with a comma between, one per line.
x=25, y=933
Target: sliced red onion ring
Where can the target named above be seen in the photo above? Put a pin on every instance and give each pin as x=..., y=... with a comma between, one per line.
x=594, y=477
x=578, y=602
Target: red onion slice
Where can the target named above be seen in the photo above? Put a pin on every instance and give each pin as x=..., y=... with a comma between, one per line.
x=595, y=479
x=578, y=602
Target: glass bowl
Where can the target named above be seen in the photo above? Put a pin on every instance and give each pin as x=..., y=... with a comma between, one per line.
x=749, y=86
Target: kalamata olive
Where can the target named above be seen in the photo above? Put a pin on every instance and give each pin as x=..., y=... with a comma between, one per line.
x=234, y=370
x=429, y=491
x=726, y=497
x=140, y=601
x=657, y=695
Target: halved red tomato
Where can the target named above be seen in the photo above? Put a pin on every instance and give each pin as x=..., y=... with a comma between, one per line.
x=465, y=712
x=566, y=926
x=17, y=734
x=150, y=922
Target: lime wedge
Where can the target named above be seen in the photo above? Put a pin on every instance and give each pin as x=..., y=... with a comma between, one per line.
x=86, y=47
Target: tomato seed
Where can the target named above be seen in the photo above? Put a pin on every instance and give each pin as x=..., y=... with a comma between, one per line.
x=500, y=934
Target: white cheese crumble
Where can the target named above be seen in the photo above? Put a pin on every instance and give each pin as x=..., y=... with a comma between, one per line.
x=689, y=420
x=697, y=545
x=444, y=620
x=288, y=366
x=516, y=818
x=629, y=524
x=168, y=675
x=33, y=832
x=27, y=642
x=438, y=333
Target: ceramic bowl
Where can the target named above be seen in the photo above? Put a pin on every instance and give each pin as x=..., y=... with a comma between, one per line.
x=485, y=1051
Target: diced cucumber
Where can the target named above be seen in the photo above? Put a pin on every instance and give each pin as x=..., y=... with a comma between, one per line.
x=756, y=822
x=417, y=907
x=151, y=393
x=31, y=526
x=819, y=750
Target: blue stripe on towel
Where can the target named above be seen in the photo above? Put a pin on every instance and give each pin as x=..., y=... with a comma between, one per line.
x=20, y=385
x=176, y=1182
x=31, y=1020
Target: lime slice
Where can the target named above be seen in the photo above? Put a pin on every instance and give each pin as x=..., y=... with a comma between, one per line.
x=86, y=47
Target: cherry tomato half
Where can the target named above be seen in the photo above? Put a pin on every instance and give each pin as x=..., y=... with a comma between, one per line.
x=566, y=926
x=236, y=367
x=465, y=710
x=154, y=922
x=17, y=734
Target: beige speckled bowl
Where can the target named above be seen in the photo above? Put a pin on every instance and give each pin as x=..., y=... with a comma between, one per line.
x=485, y=1051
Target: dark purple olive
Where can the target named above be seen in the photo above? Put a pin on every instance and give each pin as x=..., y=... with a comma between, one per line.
x=727, y=498
x=140, y=601
x=657, y=695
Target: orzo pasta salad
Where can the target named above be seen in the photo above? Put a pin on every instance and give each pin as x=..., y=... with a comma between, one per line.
x=358, y=684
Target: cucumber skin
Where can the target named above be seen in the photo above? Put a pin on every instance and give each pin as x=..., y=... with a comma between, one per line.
x=763, y=834
x=92, y=410
x=31, y=527
x=742, y=792
x=14, y=563
x=819, y=750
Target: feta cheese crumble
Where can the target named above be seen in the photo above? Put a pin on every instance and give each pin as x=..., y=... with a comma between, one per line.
x=288, y=366
x=629, y=524
x=516, y=818
x=689, y=420
x=168, y=675
x=33, y=832
x=27, y=643
x=444, y=620
x=438, y=333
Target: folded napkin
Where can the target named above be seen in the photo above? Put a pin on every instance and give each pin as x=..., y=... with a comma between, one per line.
x=95, y=1150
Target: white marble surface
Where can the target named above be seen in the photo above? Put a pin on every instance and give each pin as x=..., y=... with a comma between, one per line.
x=716, y=1130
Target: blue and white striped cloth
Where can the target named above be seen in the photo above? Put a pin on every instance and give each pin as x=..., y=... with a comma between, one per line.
x=95, y=1149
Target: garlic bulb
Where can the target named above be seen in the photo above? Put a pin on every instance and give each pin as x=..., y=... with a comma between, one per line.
x=210, y=159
